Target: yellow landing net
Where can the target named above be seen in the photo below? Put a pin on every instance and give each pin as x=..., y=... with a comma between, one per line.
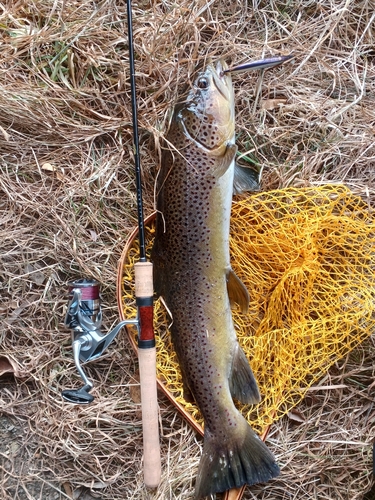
x=307, y=257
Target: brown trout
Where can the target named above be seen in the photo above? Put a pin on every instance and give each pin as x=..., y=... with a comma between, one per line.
x=193, y=274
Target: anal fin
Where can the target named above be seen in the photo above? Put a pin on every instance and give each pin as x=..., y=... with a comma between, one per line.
x=242, y=383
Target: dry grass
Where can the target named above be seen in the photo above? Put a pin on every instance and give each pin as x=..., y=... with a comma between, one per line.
x=67, y=204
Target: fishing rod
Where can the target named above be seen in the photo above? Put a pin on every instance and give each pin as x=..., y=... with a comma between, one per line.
x=144, y=300
x=84, y=318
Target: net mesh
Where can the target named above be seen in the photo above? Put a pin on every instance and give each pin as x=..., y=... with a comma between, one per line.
x=307, y=258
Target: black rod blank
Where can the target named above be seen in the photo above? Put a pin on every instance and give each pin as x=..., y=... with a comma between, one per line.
x=138, y=177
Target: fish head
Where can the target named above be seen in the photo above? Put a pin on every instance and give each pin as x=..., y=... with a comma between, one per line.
x=207, y=113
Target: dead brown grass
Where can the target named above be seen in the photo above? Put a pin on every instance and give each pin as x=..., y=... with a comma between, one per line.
x=67, y=204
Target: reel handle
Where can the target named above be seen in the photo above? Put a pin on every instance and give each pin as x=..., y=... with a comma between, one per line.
x=78, y=396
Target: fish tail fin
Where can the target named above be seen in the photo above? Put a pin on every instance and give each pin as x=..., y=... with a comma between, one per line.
x=234, y=461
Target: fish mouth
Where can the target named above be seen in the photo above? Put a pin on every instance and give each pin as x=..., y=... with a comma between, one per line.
x=221, y=80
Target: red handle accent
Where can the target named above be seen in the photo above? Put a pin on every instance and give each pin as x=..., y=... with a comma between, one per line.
x=146, y=317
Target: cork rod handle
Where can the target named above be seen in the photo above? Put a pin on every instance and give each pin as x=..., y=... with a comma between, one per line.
x=150, y=424
x=147, y=371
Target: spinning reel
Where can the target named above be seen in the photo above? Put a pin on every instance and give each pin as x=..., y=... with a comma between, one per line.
x=84, y=318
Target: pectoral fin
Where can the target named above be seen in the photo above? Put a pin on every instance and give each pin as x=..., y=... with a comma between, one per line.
x=225, y=161
x=187, y=394
x=159, y=270
x=245, y=179
x=237, y=291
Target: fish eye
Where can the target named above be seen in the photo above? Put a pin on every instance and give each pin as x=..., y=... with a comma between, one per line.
x=203, y=83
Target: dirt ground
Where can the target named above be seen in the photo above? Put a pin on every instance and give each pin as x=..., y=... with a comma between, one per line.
x=26, y=474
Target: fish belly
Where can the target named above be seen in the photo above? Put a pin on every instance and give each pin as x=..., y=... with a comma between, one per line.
x=202, y=329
